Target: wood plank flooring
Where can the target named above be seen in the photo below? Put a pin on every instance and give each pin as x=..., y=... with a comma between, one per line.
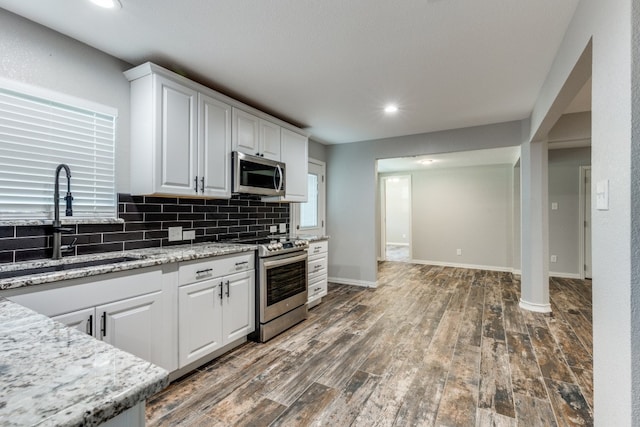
x=432, y=346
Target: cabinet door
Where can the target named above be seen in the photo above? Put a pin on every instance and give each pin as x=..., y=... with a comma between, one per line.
x=82, y=320
x=245, y=133
x=199, y=320
x=238, y=306
x=294, y=155
x=176, y=131
x=214, y=144
x=270, y=140
x=133, y=325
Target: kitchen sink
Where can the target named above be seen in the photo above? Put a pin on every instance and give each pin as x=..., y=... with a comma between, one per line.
x=65, y=267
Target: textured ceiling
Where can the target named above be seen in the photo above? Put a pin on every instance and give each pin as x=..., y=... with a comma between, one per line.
x=330, y=66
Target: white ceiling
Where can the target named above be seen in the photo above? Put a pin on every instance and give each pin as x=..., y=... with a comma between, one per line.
x=493, y=156
x=330, y=66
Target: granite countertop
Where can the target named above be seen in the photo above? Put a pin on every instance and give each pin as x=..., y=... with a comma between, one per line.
x=54, y=375
x=312, y=237
x=143, y=258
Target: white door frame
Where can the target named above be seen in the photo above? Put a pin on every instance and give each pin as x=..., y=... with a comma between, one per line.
x=383, y=215
x=581, y=220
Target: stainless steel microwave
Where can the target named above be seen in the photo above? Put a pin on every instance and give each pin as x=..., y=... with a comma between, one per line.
x=257, y=175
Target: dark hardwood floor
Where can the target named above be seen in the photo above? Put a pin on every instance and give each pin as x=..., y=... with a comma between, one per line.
x=430, y=346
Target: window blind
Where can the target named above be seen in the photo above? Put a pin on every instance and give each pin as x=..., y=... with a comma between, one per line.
x=36, y=135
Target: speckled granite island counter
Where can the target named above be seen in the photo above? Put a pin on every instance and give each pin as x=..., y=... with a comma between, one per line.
x=52, y=375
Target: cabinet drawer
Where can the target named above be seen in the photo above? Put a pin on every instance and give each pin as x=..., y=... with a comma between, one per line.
x=317, y=266
x=317, y=288
x=318, y=247
x=197, y=270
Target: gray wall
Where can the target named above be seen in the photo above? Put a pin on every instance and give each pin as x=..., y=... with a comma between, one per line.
x=317, y=151
x=352, y=196
x=466, y=208
x=41, y=57
x=564, y=224
x=616, y=304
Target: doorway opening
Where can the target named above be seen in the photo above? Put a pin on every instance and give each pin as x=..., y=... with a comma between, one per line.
x=396, y=218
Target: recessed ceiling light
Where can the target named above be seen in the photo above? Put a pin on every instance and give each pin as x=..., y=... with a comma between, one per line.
x=108, y=4
x=425, y=161
x=390, y=109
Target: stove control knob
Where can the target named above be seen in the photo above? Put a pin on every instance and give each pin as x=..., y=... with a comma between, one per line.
x=270, y=247
x=279, y=245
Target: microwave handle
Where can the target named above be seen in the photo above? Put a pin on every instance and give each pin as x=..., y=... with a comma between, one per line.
x=280, y=178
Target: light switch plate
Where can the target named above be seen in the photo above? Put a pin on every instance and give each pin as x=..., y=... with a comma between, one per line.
x=602, y=195
x=189, y=235
x=554, y=206
x=175, y=234
x=283, y=227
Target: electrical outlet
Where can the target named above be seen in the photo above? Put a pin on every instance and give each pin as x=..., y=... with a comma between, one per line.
x=189, y=235
x=175, y=234
x=283, y=227
x=273, y=229
x=554, y=206
x=459, y=252
x=554, y=258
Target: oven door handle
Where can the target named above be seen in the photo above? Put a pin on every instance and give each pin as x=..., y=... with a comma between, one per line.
x=284, y=261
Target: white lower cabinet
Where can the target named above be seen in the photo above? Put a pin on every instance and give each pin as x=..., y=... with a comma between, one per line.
x=216, y=310
x=129, y=324
x=124, y=309
x=317, y=272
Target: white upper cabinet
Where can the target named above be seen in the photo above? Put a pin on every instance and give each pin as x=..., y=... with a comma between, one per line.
x=183, y=133
x=176, y=145
x=180, y=137
x=294, y=155
x=255, y=136
x=214, y=144
x=270, y=140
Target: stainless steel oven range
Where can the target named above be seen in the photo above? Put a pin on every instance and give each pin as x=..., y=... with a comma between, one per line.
x=281, y=285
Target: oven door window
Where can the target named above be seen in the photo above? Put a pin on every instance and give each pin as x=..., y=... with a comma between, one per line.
x=286, y=281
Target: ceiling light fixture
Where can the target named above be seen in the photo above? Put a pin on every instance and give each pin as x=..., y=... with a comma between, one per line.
x=390, y=109
x=108, y=4
x=425, y=161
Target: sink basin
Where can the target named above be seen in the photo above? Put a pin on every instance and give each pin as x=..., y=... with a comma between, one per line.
x=65, y=267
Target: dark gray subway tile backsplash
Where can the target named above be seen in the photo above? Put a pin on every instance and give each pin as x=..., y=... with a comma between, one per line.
x=146, y=223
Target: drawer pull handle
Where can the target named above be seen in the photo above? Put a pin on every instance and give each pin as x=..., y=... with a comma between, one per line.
x=317, y=289
x=90, y=325
x=239, y=264
x=207, y=270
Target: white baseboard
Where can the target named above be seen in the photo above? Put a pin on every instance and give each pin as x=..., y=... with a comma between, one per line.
x=457, y=265
x=532, y=306
x=565, y=275
x=354, y=282
x=553, y=274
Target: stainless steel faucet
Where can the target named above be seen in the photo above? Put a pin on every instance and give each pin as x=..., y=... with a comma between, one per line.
x=57, y=226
